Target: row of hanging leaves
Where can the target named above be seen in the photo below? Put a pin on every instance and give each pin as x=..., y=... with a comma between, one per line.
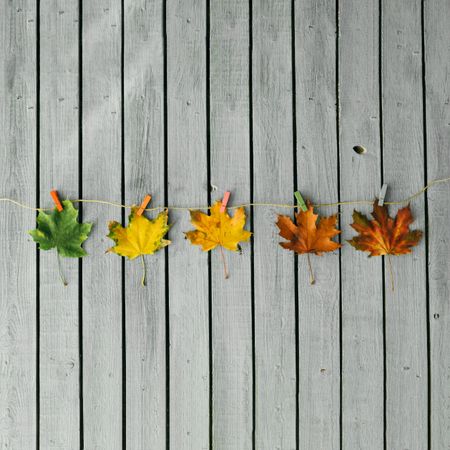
x=383, y=235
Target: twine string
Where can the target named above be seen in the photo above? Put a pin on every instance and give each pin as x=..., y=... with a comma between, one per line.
x=273, y=205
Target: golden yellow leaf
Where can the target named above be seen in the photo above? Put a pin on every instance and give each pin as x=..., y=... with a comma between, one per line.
x=218, y=229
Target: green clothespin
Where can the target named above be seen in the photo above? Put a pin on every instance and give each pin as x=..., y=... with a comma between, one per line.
x=300, y=202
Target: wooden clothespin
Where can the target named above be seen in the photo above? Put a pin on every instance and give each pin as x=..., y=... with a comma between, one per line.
x=300, y=202
x=226, y=197
x=54, y=194
x=382, y=195
x=144, y=204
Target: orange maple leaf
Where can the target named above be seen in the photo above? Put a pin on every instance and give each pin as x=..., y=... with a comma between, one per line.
x=385, y=235
x=309, y=235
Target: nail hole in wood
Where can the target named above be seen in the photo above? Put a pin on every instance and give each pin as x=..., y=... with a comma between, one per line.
x=359, y=149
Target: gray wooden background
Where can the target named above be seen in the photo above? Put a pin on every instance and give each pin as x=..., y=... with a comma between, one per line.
x=111, y=99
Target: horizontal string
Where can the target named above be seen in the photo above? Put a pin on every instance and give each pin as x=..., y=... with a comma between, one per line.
x=273, y=205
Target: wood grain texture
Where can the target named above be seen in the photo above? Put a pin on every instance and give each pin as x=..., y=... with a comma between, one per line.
x=18, y=108
x=248, y=142
x=403, y=156
x=59, y=148
x=187, y=186
x=317, y=173
x=437, y=64
x=102, y=297
x=144, y=173
x=361, y=277
x=230, y=170
x=275, y=367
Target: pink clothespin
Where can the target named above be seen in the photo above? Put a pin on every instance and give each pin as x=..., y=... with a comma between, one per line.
x=226, y=197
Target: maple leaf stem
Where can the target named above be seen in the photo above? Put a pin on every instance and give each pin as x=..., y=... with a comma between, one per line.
x=312, y=280
x=225, y=268
x=144, y=272
x=391, y=272
x=64, y=282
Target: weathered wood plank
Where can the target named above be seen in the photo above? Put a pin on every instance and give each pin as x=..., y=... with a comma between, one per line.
x=361, y=278
x=403, y=166
x=144, y=173
x=317, y=159
x=18, y=254
x=230, y=170
x=59, y=338
x=187, y=186
x=275, y=368
x=102, y=298
x=437, y=64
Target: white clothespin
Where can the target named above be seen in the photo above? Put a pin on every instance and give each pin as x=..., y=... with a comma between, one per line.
x=382, y=195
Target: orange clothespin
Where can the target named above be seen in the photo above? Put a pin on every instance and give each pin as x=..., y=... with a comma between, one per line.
x=144, y=204
x=226, y=197
x=55, y=198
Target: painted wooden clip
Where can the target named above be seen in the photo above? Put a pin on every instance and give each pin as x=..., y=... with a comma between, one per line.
x=382, y=195
x=144, y=204
x=300, y=202
x=55, y=198
x=226, y=197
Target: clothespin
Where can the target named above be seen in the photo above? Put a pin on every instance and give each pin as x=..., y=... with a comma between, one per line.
x=226, y=197
x=55, y=198
x=144, y=204
x=382, y=195
x=300, y=202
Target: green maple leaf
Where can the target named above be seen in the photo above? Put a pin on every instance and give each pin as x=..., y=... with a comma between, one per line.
x=61, y=230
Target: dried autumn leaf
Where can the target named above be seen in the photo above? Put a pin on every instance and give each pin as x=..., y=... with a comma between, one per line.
x=218, y=230
x=309, y=235
x=385, y=235
x=141, y=237
x=61, y=230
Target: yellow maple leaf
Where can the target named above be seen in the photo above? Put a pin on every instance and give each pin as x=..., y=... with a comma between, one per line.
x=218, y=230
x=141, y=237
